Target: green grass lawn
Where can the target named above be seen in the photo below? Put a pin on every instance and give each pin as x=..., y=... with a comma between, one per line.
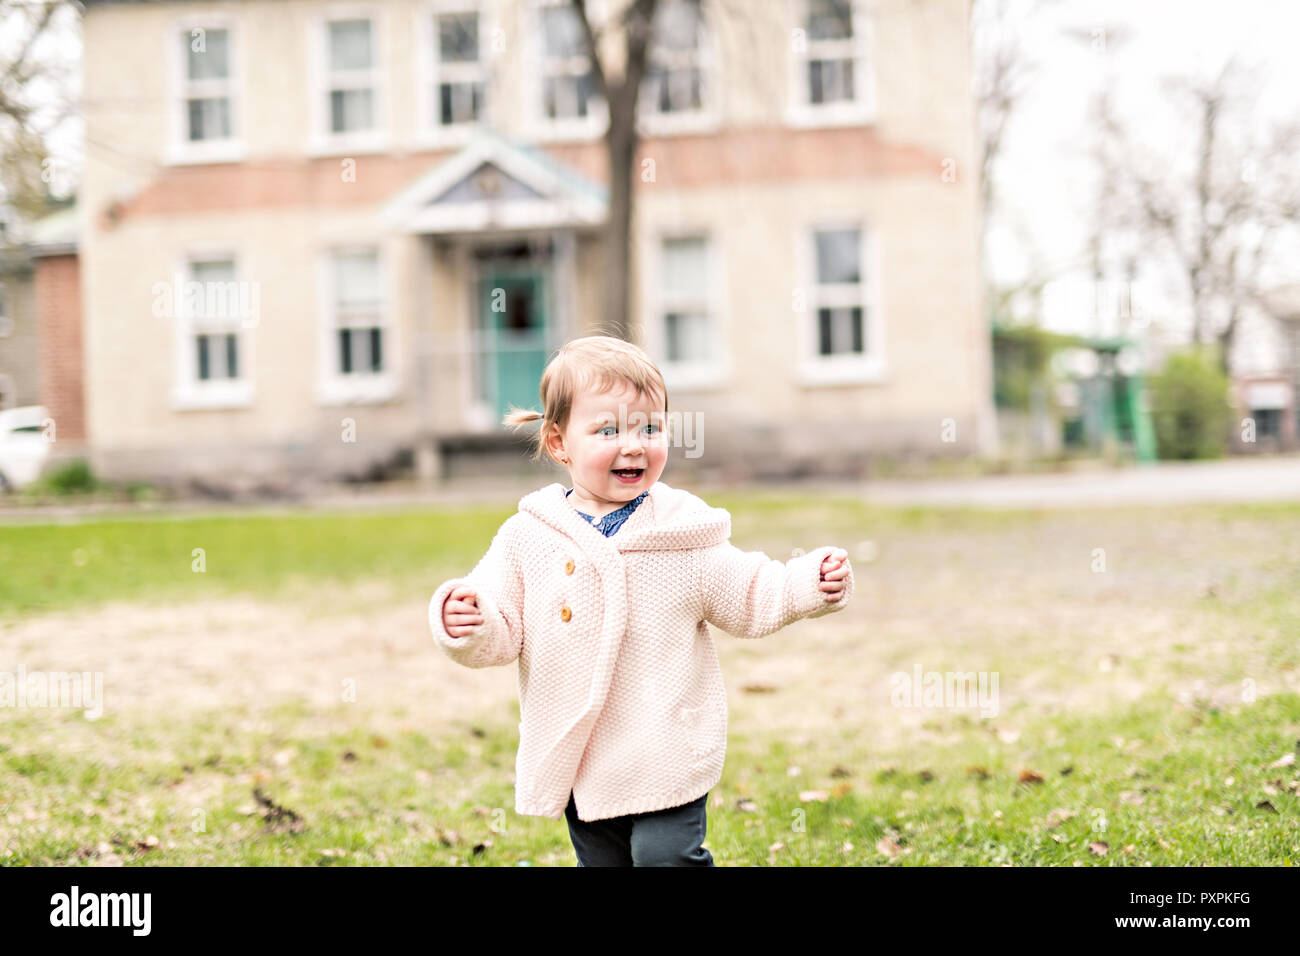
x=49, y=567
x=1110, y=765
x=1202, y=796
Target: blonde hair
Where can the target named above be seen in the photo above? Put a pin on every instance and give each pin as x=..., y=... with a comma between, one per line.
x=602, y=361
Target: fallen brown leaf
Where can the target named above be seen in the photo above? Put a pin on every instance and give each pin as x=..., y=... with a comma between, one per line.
x=889, y=847
x=1059, y=816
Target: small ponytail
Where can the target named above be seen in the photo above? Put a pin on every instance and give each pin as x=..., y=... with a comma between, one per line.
x=524, y=416
x=520, y=416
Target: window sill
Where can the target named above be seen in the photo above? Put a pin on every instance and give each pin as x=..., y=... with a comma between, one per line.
x=805, y=116
x=559, y=131
x=222, y=396
x=678, y=124
x=375, y=390
x=816, y=373
x=445, y=137
x=344, y=145
x=194, y=154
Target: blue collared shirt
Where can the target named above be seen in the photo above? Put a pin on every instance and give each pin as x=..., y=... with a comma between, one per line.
x=610, y=523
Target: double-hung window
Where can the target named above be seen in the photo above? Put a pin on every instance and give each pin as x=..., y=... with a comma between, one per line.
x=571, y=104
x=453, y=73
x=686, y=301
x=831, y=69
x=350, y=104
x=677, y=89
x=205, y=111
x=843, y=336
x=357, y=339
x=215, y=312
x=461, y=83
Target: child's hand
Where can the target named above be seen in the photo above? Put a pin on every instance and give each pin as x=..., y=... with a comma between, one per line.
x=833, y=571
x=460, y=613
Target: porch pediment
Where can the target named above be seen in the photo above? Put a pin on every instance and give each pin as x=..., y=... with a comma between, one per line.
x=493, y=184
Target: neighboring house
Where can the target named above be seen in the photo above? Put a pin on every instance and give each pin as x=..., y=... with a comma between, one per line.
x=20, y=381
x=391, y=210
x=1265, y=365
x=41, y=328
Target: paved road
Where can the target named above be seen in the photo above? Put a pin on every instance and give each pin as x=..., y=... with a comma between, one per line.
x=1231, y=480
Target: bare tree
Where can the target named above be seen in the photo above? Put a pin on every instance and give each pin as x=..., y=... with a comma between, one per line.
x=1214, y=200
x=621, y=92
x=34, y=100
x=1003, y=69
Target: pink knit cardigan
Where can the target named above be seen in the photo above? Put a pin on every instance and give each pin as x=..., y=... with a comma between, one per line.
x=621, y=697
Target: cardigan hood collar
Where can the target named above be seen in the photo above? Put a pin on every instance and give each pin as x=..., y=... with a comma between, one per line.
x=669, y=519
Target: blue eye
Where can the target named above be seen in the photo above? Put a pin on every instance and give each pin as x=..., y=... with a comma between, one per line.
x=656, y=429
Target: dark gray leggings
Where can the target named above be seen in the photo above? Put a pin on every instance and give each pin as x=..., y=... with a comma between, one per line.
x=670, y=837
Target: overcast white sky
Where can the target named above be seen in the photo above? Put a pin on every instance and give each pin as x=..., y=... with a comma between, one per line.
x=1045, y=176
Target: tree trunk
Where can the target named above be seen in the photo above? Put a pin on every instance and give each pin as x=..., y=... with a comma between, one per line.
x=621, y=144
x=1226, y=338
x=620, y=148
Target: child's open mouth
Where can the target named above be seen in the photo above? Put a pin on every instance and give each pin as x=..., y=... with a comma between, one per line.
x=629, y=476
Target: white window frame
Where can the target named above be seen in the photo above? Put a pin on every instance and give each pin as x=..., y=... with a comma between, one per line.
x=714, y=373
x=180, y=149
x=430, y=72
x=188, y=390
x=858, y=111
x=589, y=127
x=325, y=142
x=814, y=369
x=334, y=387
x=707, y=118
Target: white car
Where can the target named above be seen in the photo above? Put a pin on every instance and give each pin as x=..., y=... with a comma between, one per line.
x=23, y=446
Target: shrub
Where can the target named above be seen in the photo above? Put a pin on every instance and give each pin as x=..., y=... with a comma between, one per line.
x=73, y=478
x=1189, y=405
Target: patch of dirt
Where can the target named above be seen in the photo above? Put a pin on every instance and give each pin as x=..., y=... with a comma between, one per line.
x=250, y=653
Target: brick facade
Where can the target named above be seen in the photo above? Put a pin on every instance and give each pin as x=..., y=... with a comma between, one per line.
x=58, y=303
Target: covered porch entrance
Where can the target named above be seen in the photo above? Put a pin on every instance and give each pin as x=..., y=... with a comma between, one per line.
x=499, y=226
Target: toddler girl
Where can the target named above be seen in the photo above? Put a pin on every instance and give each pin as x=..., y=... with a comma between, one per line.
x=602, y=591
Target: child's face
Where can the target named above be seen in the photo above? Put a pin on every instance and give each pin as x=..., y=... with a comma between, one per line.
x=608, y=431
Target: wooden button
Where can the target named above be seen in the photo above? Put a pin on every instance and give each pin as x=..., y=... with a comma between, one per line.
x=565, y=613
x=568, y=566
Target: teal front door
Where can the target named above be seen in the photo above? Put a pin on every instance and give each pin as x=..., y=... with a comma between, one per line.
x=513, y=325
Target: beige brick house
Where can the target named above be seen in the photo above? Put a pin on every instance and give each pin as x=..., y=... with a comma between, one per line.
x=314, y=235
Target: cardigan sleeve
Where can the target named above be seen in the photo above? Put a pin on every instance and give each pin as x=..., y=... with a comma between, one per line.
x=498, y=583
x=748, y=594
